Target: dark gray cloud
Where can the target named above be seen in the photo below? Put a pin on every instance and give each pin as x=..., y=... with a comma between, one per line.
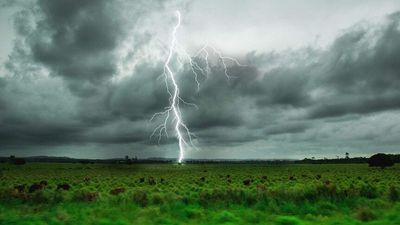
x=362, y=76
x=357, y=105
x=77, y=40
x=63, y=89
x=296, y=127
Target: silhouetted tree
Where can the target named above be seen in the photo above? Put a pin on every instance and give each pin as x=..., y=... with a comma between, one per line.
x=347, y=155
x=380, y=160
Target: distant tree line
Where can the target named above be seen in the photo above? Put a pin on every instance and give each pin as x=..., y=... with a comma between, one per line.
x=377, y=160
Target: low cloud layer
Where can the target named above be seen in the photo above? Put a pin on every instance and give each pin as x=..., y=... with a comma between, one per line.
x=66, y=90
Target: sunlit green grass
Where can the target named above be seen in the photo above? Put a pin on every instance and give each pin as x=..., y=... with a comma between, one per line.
x=201, y=194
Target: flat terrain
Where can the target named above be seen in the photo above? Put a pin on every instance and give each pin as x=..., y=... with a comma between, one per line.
x=199, y=194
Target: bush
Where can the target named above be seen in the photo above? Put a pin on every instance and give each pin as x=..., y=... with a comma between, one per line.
x=365, y=214
x=380, y=160
x=140, y=198
x=86, y=196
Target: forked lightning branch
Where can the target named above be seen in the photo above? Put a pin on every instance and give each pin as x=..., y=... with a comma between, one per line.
x=172, y=115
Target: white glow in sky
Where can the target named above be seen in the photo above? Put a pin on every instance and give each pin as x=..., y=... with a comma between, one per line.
x=276, y=25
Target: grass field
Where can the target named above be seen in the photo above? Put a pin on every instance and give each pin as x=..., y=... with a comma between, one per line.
x=199, y=194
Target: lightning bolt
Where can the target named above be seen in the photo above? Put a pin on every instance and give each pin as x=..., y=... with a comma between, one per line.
x=182, y=132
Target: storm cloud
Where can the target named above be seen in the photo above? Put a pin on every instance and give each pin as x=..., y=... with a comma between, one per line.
x=66, y=85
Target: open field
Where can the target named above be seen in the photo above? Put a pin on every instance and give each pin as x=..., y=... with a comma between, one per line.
x=199, y=194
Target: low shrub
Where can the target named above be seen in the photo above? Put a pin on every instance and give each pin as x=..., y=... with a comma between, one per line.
x=86, y=196
x=365, y=214
x=140, y=198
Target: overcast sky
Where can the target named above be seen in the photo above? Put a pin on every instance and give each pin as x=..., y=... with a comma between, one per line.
x=83, y=78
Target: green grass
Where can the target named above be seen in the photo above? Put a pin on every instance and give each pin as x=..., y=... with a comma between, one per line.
x=200, y=194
